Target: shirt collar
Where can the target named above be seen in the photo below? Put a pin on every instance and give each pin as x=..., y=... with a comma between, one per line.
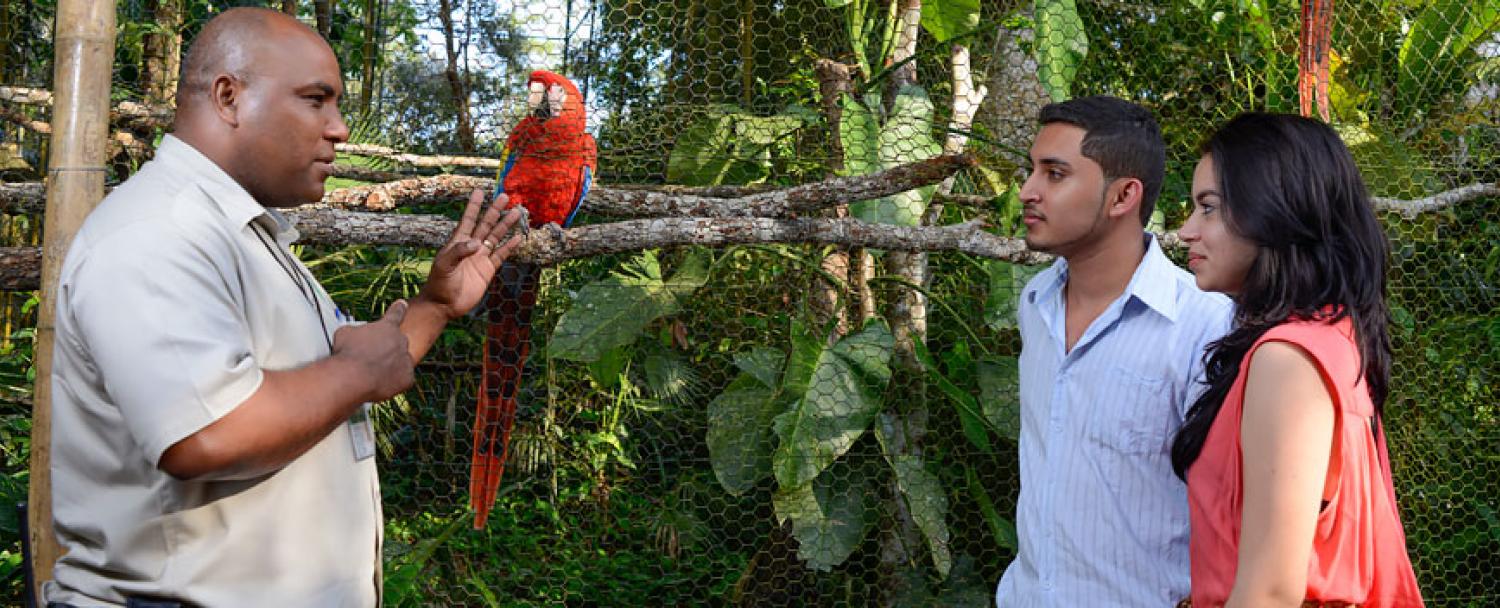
x=1153, y=283
x=233, y=200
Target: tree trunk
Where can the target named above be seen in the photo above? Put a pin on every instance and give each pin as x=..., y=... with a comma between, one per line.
x=5, y=34
x=830, y=300
x=163, y=52
x=323, y=12
x=84, y=55
x=747, y=53
x=1011, y=117
x=456, y=86
x=901, y=542
x=289, y=7
x=367, y=73
x=908, y=313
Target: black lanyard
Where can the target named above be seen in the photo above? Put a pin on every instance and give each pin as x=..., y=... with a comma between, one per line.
x=304, y=283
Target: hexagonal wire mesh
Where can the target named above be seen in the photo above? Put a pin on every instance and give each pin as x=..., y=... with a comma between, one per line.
x=750, y=425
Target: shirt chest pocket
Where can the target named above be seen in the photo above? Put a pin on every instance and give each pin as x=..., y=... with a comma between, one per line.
x=1134, y=413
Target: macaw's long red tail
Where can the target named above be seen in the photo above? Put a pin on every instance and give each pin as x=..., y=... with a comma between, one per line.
x=508, y=305
x=1314, y=48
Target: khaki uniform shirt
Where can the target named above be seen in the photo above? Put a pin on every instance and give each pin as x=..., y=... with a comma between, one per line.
x=177, y=292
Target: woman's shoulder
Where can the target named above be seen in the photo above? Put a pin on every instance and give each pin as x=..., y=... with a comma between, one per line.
x=1312, y=332
x=1330, y=344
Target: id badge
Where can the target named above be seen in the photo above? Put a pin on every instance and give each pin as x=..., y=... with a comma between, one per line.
x=362, y=433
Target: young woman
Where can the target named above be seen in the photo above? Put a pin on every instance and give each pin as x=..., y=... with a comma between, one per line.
x=1289, y=485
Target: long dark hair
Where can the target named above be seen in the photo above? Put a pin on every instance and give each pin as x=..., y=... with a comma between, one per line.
x=1291, y=187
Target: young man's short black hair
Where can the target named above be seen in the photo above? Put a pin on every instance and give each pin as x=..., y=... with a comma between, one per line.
x=1121, y=136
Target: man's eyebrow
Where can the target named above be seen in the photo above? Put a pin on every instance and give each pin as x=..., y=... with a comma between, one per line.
x=1054, y=161
x=322, y=87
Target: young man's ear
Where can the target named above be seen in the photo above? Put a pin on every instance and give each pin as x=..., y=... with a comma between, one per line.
x=1124, y=197
x=224, y=95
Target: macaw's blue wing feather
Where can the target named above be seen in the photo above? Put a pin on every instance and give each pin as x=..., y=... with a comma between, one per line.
x=510, y=161
x=583, y=191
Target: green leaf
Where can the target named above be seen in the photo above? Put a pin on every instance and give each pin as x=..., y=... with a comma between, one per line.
x=606, y=369
x=835, y=399
x=1061, y=45
x=1438, y=48
x=836, y=3
x=701, y=154
x=1001, y=529
x=728, y=146
x=691, y=273
x=860, y=133
x=922, y=492
x=906, y=137
x=739, y=422
x=1007, y=205
x=945, y=19
x=1000, y=394
x=828, y=515
x=1007, y=281
x=614, y=311
x=763, y=363
x=970, y=419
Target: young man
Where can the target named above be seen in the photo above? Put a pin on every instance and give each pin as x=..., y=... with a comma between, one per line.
x=1113, y=336
x=211, y=439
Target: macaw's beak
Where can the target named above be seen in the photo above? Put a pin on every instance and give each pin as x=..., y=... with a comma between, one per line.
x=542, y=112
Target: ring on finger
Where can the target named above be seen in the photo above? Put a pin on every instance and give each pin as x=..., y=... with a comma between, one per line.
x=489, y=245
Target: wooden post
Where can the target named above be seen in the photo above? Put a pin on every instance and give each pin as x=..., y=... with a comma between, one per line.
x=85, y=47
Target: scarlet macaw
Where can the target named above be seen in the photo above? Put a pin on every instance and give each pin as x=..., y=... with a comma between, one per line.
x=549, y=165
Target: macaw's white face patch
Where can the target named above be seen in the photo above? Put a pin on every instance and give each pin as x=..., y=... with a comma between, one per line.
x=555, y=98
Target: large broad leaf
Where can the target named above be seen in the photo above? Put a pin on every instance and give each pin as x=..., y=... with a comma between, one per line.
x=1061, y=45
x=829, y=516
x=837, y=394
x=923, y=493
x=905, y=137
x=1439, y=45
x=739, y=422
x=1007, y=281
x=945, y=19
x=859, y=130
x=612, y=312
x=958, y=365
x=1000, y=394
x=701, y=155
x=924, y=497
x=728, y=146
x=1001, y=529
x=1407, y=173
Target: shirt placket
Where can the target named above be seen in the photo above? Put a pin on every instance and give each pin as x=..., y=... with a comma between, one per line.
x=1056, y=419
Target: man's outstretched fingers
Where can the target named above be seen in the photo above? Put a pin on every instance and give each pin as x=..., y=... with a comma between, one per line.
x=488, y=219
x=471, y=214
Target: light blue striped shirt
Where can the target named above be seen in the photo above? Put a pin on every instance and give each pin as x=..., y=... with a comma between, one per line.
x=1102, y=520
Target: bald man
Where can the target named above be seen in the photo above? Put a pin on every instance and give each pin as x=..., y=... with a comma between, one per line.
x=211, y=442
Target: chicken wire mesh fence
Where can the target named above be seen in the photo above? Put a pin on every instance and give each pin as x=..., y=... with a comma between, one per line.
x=755, y=424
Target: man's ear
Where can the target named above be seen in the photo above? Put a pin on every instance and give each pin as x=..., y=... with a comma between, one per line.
x=1124, y=197
x=224, y=94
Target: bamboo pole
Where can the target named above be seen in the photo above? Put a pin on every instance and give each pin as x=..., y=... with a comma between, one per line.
x=85, y=45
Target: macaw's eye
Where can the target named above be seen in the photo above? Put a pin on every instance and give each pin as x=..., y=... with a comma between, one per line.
x=555, y=98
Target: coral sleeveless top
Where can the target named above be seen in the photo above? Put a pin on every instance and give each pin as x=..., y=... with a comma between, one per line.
x=1359, y=549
